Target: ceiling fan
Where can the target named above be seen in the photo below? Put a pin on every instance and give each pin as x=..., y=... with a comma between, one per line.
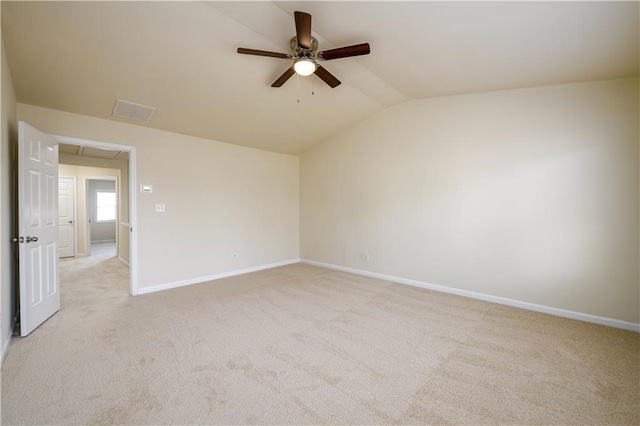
x=305, y=54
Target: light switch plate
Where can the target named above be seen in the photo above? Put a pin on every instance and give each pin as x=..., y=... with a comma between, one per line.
x=146, y=188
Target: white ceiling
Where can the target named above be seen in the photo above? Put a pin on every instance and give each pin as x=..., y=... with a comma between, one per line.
x=180, y=57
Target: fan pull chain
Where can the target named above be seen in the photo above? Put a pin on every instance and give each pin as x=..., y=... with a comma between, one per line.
x=313, y=91
x=298, y=87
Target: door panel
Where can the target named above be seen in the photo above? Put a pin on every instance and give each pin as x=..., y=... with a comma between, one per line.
x=37, y=225
x=35, y=254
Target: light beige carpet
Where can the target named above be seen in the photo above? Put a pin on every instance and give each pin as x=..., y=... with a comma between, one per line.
x=305, y=345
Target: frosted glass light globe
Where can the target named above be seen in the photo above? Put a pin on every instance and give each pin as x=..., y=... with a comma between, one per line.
x=304, y=67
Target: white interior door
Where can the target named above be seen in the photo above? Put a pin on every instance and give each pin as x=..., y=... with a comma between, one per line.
x=67, y=216
x=38, y=227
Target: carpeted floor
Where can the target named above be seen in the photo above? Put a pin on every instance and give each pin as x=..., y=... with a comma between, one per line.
x=305, y=345
x=106, y=249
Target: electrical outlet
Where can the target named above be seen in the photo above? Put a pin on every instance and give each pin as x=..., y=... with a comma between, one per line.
x=364, y=255
x=160, y=208
x=235, y=256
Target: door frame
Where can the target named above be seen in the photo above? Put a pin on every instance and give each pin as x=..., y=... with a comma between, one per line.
x=88, y=207
x=75, y=211
x=133, y=207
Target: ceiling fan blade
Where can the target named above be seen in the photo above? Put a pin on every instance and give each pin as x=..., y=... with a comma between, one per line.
x=345, y=52
x=327, y=77
x=263, y=53
x=284, y=77
x=303, y=29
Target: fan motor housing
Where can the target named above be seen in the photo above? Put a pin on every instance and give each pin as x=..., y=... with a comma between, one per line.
x=299, y=52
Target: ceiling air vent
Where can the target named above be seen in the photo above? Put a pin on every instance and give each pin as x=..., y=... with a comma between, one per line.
x=132, y=111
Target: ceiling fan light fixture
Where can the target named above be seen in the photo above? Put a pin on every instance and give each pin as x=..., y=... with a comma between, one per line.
x=305, y=54
x=304, y=67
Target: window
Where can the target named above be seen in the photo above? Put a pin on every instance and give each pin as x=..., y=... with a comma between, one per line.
x=106, y=206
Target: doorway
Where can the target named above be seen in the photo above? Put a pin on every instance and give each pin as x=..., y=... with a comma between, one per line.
x=115, y=165
x=102, y=215
x=38, y=220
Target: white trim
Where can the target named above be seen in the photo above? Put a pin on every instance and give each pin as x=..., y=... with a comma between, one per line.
x=176, y=284
x=133, y=200
x=611, y=322
x=133, y=221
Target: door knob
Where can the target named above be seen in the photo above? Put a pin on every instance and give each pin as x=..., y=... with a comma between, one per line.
x=70, y=222
x=31, y=239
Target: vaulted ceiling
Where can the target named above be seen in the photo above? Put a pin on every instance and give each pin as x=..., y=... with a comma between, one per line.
x=180, y=57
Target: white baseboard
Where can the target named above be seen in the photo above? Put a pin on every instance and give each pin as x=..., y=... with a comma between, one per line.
x=611, y=322
x=124, y=262
x=176, y=284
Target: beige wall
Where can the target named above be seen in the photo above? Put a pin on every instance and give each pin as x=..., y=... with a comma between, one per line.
x=220, y=198
x=9, y=137
x=123, y=248
x=529, y=194
x=81, y=174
